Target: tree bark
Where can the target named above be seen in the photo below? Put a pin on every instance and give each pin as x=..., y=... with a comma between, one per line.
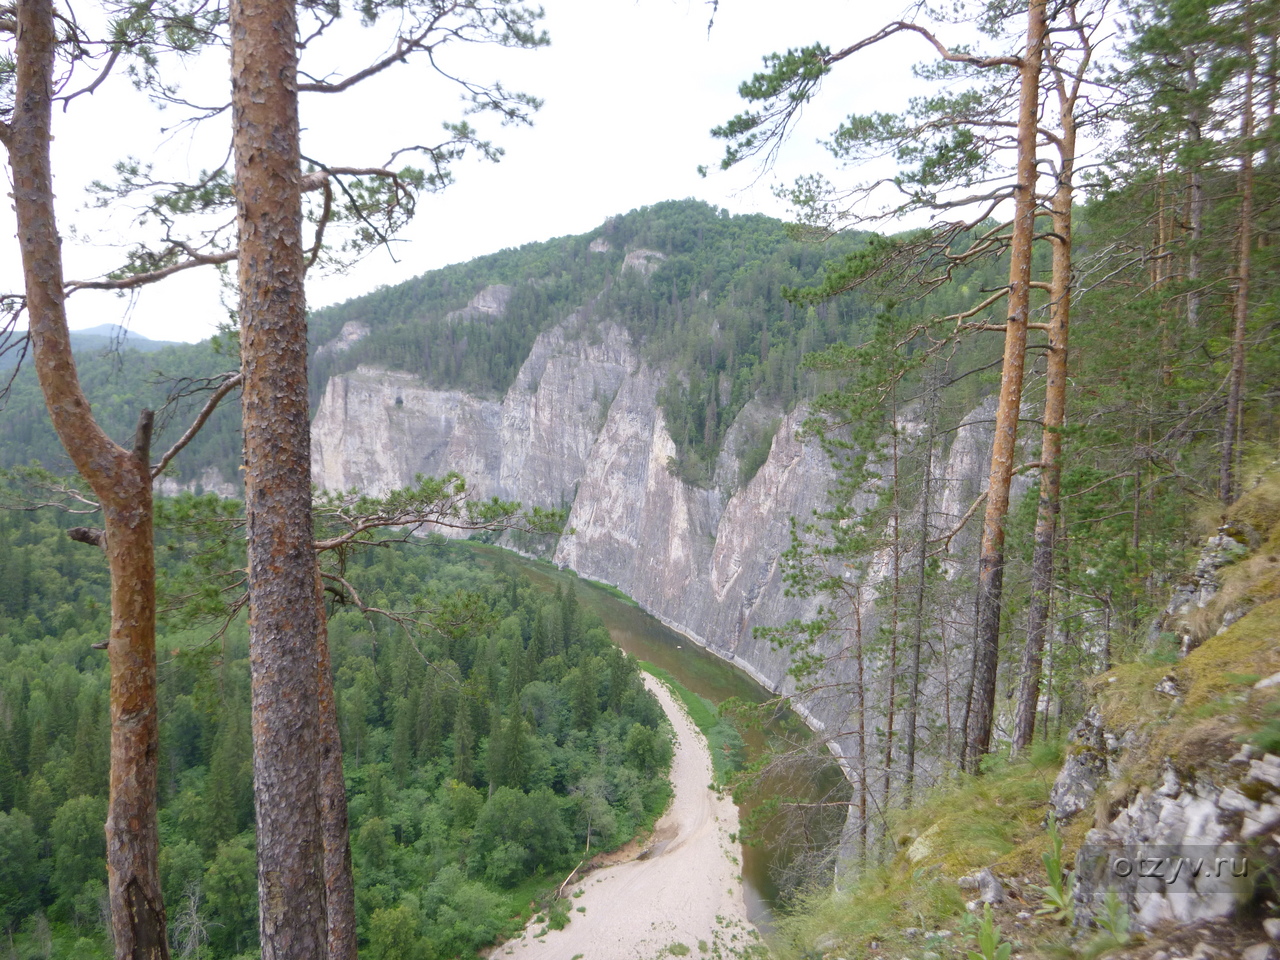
x=860, y=679
x=121, y=479
x=1055, y=408
x=1231, y=423
x=340, y=893
x=981, y=710
x=895, y=617
x=1196, y=203
x=284, y=619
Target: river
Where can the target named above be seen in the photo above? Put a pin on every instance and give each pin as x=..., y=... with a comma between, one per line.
x=647, y=638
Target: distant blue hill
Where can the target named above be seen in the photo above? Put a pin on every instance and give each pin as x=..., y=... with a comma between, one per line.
x=106, y=335
x=101, y=339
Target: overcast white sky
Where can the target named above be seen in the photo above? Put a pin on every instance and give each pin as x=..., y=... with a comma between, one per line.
x=631, y=89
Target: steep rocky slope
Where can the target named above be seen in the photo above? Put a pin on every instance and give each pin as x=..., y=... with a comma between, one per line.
x=1178, y=762
x=582, y=428
x=1166, y=805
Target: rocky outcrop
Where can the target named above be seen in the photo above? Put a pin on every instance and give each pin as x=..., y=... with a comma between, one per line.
x=1089, y=762
x=352, y=332
x=209, y=481
x=1196, y=591
x=490, y=302
x=1193, y=848
x=581, y=428
x=1185, y=820
x=643, y=261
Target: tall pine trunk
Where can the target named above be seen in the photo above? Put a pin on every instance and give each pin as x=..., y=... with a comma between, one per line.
x=1196, y=202
x=284, y=615
x=895, y=615
x=340, y=893
x=980, y=712
x=1055, y=407
x=121, y=479
x=1235, y=388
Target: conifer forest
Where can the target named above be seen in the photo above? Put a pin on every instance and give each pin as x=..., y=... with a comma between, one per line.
x=969, y=467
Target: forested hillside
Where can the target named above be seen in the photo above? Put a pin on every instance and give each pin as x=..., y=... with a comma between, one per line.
x=1032, y=412
x=483, y=749
x=1085, y=655
x=120, y=381
x=710, y=309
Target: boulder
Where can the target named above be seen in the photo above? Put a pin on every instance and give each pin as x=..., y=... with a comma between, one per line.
x=990, y=889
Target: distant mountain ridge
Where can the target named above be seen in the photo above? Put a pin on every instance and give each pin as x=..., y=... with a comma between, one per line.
x=114, y=335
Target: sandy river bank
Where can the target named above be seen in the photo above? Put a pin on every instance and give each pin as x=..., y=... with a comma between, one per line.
x=686, y=890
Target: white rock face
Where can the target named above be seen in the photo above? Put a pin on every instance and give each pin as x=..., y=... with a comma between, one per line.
x=552, y=415
x=580, y=428
x=209, y=481
x=352, y=332
x=490, y=302
x=376, y=429
x=645, y=261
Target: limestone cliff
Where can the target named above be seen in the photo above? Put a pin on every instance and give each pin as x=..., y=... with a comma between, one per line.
x=581, y=428
x=210, y=480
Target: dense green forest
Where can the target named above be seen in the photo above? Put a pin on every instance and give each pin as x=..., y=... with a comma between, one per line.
x=480, y=756
x=120, y=381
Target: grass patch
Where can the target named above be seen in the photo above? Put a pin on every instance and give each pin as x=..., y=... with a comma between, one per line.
x=875, y=908
x=558, y=915
x=728, y=752
x=1260, y=508
x=1247, y=648
x=531, y=890
x=1126, y=696
x=995, y=819
x=1219, y=707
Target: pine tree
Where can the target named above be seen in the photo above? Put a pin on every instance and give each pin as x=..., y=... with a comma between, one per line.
x=584, y=685
x=220, y=813
x=87, y=775
x=463, y=745
x=406, y=720
x=8, y=775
